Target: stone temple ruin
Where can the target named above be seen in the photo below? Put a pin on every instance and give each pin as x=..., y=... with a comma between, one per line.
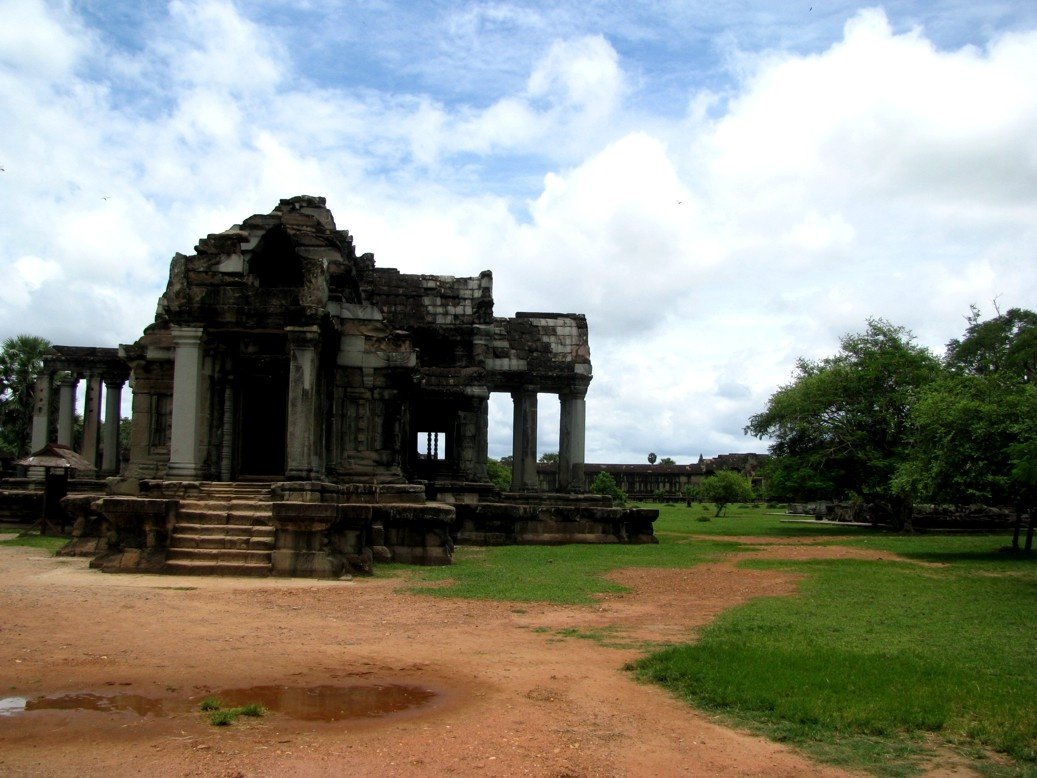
x=299, y=411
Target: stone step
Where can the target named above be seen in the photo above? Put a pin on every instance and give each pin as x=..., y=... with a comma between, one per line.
x=181, y=542
x=197, y=567
x=233, y=490
x=243, y=505
x=224, y=517
x=218, y=556
x=224, y=530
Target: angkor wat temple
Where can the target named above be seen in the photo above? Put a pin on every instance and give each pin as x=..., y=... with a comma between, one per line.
x=299, y=411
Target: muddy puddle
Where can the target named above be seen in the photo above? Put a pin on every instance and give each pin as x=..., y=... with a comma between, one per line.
x=314, y=703
x=334, y=703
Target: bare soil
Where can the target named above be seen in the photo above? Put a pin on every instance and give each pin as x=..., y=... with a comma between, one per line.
x=517, y=693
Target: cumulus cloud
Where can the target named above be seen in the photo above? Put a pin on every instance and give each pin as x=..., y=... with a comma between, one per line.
x=876, y=174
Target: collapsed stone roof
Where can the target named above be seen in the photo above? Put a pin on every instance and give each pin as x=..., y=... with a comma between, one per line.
x=293, y=267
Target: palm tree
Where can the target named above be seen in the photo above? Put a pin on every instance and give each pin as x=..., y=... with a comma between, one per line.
x=21, y=360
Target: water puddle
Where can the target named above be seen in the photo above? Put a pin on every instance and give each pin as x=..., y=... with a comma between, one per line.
x=103, y=703
x=333, y=703
x=314, y=703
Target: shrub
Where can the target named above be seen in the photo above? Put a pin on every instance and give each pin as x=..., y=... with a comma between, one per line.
x=605, y=484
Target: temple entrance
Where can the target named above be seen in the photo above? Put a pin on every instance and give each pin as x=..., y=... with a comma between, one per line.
x=263, y=416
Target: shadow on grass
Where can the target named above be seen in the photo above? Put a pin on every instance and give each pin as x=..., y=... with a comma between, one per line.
x=999, y=557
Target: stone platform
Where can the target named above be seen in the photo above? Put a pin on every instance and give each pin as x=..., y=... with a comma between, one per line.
x=322, y=530
x=300, y=529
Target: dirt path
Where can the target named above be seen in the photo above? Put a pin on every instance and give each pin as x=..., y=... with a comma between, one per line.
x=515, y=697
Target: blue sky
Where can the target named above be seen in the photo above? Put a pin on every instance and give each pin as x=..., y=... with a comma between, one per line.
x=721, y=188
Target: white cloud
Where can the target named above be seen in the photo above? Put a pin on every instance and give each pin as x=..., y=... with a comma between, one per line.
x=41, y=40
x=880, y=175
x=24, y=276
x=210, y=44
x=584, y=73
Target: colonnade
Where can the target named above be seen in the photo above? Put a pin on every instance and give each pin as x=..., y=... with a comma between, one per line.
x=105, y=375
x=571, y=440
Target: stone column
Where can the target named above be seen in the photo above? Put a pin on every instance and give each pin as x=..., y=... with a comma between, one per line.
x=112, y=412
x=303, y=459
x=524, y=441
x=571, y=442
x=66, y=407
x=482, y=435
x=91, y=418
x=41, y=412
x=187, y=383
x=227, y=449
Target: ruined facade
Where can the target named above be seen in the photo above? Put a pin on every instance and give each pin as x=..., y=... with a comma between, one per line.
x=386, y=375
x=350, y=399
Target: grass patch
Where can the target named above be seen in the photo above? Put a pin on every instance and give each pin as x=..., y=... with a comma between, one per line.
x=872, y=657
x=676, y=519
x=253, y=710
x=606, y=637
x=223, y=717
x=34, y=540
x=571, y=574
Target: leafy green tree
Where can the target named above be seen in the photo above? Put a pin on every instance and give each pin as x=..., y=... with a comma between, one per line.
x=605, y=484
x=725, y=487
x=667, y=462
x=651, y=458
x=21, y=360
x=499, y=474
x=965, y=429
x=975, y=430
x=842, y=425
x=549, y=458
x=1005, y=345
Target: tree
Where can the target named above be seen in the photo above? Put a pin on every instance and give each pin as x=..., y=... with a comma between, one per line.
x=549, y=458
x=604, y=484
x=1005, y=345
x=21, y=360
x=499, y=474
x=651, y=458
x=842, y=426
x=975, y=430
x=725, y=487
x=667, y=462
x=963, y=430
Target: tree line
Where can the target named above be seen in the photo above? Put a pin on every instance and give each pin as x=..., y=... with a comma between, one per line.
x=887, y=421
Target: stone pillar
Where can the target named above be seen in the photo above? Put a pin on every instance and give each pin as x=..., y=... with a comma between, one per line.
x=66, y=407
x=482, y=436
x=187, y=383
x=571, y=442
x=112, y=412
x=41, y=412
x=524, y=441
x=303, y=459
x=91, y=418
x=227, y=448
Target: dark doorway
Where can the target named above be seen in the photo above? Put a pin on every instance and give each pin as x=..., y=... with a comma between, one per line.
x=263, y=417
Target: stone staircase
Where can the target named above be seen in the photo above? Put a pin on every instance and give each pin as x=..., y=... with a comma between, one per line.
x=225, y=530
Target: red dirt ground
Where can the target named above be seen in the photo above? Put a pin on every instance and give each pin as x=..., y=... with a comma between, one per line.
x=516, y=697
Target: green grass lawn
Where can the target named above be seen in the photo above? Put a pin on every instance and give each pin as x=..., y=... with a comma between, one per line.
x=559, y=574
x=872, y=665
x=34, y=540
x=698, y=519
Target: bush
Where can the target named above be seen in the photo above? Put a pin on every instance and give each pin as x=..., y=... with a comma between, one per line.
x=604, y=484
x=499, y=474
